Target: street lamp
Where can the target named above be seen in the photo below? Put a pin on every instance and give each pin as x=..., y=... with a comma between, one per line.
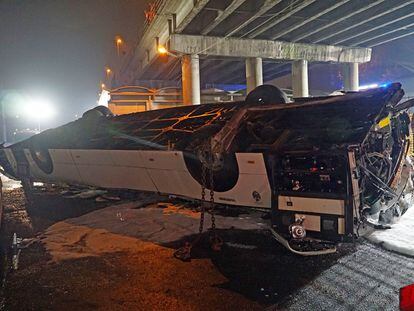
x=118, y=41
x=39, y=109
x=162, y=50
x=108, y=72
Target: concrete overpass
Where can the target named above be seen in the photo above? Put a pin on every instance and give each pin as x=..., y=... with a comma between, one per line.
x=251, y=41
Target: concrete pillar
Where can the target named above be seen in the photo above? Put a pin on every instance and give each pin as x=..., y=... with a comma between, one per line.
x=254, y=73
x=351, y=77
x=190, y=68
x=300, y=78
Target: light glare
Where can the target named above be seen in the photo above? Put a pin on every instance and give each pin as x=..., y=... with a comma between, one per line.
x=368, y=86
x=39, y=109
x=162, y=50
x=373, y=86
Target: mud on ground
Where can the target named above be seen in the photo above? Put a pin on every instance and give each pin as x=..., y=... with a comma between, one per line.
x=27, y=222
x=79, y=264
x=135, y=274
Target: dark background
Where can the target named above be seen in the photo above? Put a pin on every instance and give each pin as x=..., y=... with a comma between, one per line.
x=59, y=48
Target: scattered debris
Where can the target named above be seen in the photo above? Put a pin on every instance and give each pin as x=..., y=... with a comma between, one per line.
x=100, y=199
x=171, y=208
x=242, y=246
x=88, y=194
x=400, y=237
x=163, y=204
x=119, y=215
x=16, y=247
x=110, y=197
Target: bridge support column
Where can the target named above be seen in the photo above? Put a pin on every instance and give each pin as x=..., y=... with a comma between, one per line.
x=254, y=73
x=300, y=78
x=190, y=67
x=351, y=77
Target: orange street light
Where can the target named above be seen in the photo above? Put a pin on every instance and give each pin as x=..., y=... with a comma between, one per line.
x=108, y=72
x=162, y=50
x=118, y=42
x=102, y=85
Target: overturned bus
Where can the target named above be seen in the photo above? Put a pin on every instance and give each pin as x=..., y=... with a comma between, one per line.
x=323, y=167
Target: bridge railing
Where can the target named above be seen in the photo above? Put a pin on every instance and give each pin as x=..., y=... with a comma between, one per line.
x=130, y=99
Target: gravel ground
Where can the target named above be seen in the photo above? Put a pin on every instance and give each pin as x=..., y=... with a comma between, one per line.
x=89, y=255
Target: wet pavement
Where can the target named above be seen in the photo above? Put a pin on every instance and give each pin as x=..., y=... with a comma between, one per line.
x=120, y=257
x=367, y=279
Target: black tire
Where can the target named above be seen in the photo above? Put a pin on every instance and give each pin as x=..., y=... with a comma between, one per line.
x=266, y=94
x=92, y=118
x=41, y=156
x=97, y=112
x=104, y=111
x=224, y=178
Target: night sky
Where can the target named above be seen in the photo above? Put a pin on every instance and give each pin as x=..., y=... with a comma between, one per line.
x=59, y=48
